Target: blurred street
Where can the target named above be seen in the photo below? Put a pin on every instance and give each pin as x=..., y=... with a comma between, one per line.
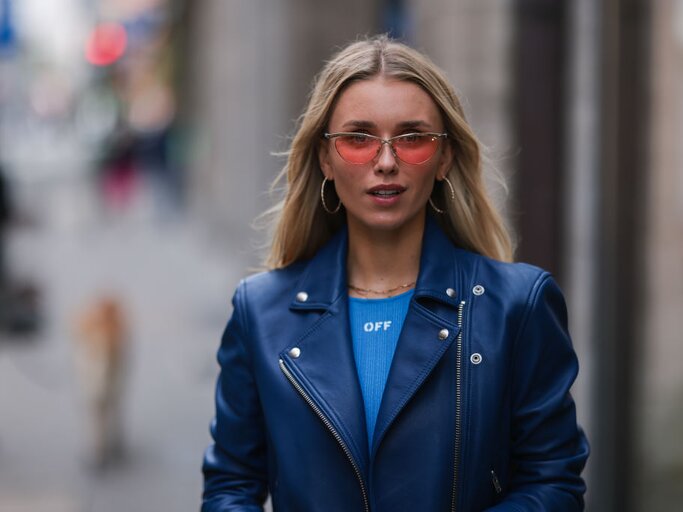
x=176, y=293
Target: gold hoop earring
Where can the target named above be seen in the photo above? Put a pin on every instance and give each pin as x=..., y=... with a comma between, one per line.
x=322, y=198
x=450, y=186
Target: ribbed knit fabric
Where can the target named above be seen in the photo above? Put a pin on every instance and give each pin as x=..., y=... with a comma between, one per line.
x=375, y=328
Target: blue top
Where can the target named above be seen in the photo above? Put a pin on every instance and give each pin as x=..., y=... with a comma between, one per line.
x=375, y=328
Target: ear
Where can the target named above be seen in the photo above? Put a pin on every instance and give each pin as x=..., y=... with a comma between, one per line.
x=445, y=161
x=324, y=160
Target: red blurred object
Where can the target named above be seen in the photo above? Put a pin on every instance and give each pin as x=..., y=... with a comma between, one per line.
x=106, y=44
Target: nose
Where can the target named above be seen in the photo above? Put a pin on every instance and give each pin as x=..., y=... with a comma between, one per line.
x=386, y=159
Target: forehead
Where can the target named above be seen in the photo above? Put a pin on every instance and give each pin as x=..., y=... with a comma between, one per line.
x=385, y=103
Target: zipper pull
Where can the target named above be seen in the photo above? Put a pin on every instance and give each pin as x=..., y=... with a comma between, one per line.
x=496, y=482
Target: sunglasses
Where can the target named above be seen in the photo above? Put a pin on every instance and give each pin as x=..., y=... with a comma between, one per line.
x=362, y=148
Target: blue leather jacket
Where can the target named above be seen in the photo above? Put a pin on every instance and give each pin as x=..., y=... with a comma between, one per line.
x=476, y=413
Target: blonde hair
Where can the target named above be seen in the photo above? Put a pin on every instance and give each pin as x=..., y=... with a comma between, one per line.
x=299, y=224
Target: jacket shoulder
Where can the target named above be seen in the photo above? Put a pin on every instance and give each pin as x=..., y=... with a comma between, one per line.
x=518, y=275
x=527, y=290
x=263, y=287
x=520, y=286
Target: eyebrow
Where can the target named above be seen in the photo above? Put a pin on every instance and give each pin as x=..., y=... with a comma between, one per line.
x=402, y=125
x=414, y=124
x=359, y=124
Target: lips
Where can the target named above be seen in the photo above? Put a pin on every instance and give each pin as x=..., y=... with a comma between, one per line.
x=386, y=190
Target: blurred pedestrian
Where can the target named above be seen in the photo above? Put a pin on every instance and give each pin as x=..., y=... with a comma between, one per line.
x=119, y=173
x=393, y=358
x=19, y=300
x=100, y=350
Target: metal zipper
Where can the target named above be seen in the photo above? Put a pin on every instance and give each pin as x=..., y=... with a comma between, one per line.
x=458, y=377
x=496, y=482
x=332, y=430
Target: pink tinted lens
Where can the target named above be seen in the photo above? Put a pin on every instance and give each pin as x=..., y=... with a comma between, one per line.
x=416, y=150
x=357, y=150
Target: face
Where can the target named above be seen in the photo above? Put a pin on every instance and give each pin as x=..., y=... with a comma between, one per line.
x=385, y=194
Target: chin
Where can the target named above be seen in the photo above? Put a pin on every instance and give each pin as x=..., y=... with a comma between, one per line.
x=387, y=223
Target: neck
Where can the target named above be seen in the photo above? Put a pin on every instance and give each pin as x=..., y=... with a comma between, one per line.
x=384, y=260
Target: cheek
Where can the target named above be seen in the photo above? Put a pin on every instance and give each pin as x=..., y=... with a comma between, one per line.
x=344, y=183
x=341, y=172
x=427, y=182
x=346, y=188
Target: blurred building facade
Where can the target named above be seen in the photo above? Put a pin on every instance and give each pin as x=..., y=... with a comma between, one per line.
x=579, y=105
x=660, y=418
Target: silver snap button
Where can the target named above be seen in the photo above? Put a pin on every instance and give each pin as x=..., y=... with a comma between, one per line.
x=450, y=292
x=478, y=290
x=443, y=334
x=295, y=352
x=476, y=358
x=302, y=296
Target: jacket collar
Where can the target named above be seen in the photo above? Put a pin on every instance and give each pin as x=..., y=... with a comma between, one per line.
x=330, y=262
x=436, y=274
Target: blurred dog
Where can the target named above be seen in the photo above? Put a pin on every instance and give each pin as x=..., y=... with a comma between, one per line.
x=101, y=342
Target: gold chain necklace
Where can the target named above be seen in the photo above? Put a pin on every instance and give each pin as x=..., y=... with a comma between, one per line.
x=380, y=292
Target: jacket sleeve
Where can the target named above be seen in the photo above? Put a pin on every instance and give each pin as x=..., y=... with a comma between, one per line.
x=549, y=450
x=235, y=465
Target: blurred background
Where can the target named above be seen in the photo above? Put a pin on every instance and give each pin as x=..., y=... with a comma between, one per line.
x=136, y=149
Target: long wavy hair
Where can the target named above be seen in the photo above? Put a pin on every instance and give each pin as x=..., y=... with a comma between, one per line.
x=300, y=226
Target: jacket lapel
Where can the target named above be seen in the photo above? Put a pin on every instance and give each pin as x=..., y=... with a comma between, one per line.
x=429, y=329
x=325, y=366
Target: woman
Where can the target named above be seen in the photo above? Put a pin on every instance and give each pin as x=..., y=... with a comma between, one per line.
x=393, y=359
